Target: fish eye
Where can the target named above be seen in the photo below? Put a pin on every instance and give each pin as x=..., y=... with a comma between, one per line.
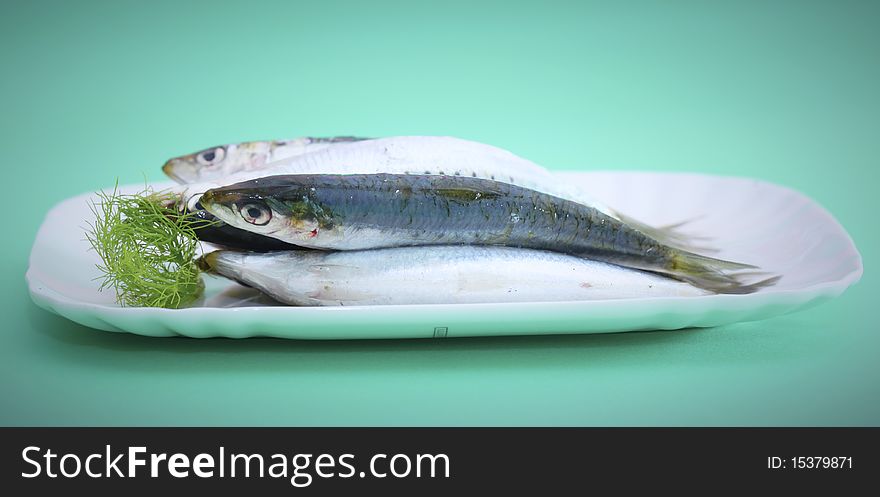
x=211, y=156
x=256, y=214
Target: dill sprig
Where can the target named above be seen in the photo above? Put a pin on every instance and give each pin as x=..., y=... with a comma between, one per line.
x=147, y=249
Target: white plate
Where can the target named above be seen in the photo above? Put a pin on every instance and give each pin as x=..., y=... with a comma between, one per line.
x=775, y=228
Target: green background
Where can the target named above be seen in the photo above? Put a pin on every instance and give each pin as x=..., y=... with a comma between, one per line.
x=782, y=91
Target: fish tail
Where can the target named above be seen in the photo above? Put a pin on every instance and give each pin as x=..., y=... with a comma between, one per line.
x=716, y=275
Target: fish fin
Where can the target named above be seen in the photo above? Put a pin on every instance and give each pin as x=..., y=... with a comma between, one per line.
x=717, y=275
x=671, y=234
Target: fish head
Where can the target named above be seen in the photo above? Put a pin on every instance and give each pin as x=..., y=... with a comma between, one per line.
x=274, y=206
x=214, y=163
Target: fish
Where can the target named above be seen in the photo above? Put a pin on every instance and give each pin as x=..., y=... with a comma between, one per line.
x=215, y=163
x=368, y=211
x=445, y=274
x=439, y=155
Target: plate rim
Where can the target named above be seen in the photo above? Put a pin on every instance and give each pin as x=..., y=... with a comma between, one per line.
x=50, y=299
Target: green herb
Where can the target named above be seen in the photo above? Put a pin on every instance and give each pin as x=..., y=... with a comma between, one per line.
x=147, y=249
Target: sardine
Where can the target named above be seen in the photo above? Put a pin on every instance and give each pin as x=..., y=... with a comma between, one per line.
x=437, y=275
x=215, y=163
x=418, y=155
x=367, y=211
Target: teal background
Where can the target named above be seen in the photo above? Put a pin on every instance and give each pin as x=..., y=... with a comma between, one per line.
x=782, y=91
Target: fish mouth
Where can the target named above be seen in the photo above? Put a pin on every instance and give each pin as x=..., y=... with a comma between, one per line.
x=214, y=197
x=216, y=201
x=169, y=171
x=208, y=262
